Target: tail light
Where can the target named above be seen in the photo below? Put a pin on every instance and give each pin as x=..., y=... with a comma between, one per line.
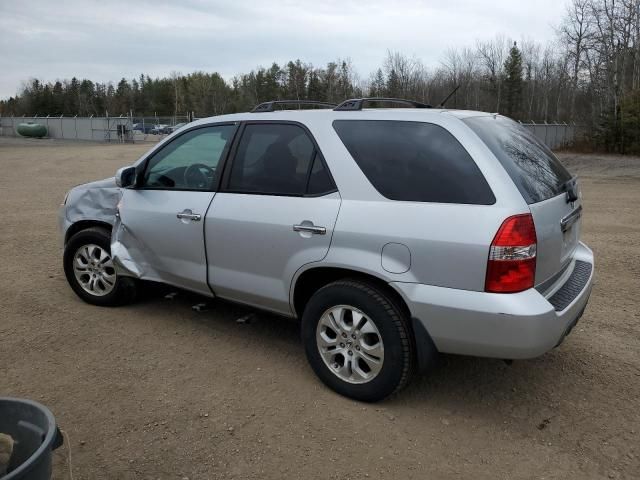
x=512, y=257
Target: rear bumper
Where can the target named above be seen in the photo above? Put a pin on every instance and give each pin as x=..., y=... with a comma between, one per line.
x=509, y=326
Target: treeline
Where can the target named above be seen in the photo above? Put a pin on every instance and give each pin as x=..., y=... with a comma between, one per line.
x=202, y=93
x=589, y=74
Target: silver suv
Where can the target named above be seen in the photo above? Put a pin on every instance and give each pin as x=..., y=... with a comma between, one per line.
x=392, y=234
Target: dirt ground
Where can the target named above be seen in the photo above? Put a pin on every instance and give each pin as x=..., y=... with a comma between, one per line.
x=158, y=391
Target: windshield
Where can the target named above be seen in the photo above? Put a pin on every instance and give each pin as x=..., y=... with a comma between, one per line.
x=534, y=169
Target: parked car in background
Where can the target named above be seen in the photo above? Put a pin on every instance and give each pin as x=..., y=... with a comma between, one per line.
x=172, y=128
x=158, y=129
x=391, y=234
x=143, y=127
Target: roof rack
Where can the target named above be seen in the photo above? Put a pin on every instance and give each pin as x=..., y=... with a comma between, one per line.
x=270, y=106
x=358, y=103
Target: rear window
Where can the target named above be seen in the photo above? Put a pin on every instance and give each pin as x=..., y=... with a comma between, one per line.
x=534, y=169
x=414, y=161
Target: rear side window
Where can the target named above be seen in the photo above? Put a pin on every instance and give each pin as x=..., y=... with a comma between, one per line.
x=534, y=169
x=319, y=180
x=414, y=161
x=278, y=159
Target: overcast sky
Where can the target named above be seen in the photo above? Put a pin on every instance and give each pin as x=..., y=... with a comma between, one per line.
x=107, y=40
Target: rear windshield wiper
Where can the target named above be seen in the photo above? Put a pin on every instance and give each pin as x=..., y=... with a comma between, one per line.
x=571, y=187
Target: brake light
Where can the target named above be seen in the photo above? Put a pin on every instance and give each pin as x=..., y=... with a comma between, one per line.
x=512, y=257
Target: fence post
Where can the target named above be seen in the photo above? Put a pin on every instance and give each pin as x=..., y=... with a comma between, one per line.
x=130, y=124
x=546, y=130
x=533, y=128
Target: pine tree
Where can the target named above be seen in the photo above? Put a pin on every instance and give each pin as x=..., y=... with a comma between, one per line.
x=71, y=97
x=58, y=93
x=393, y=85
x=513, y=82
x=377, y=88
x=314, y=88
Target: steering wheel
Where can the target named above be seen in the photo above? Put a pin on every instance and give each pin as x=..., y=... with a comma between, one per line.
x=198, y=176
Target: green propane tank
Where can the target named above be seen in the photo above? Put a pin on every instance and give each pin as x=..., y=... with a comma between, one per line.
x=32, y=130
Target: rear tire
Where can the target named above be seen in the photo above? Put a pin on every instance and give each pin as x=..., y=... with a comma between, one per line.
x=358, y=341
x=89, y=269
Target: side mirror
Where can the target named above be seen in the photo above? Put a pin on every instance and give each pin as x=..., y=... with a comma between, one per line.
x=126, y=177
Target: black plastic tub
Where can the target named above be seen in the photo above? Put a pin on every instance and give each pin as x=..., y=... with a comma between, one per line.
x=34, y=430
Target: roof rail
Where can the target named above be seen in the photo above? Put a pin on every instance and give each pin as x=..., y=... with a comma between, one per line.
x=270, y=106
x=358, y=103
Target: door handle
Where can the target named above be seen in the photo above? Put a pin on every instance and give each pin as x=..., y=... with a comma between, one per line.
x=189, y=215
x=570, y=219
x=310, y=228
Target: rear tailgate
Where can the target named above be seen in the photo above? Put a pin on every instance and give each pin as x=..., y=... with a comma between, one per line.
x=558, y=224
x=546, y=186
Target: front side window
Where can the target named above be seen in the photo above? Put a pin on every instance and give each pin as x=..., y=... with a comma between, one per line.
x=190, y=162
x=277, y=159
x=414, y=161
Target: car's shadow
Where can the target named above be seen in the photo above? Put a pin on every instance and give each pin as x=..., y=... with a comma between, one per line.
x=452, y=381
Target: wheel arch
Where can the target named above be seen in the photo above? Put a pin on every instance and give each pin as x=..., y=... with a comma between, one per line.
x=307, y=282
x=83, y=225
x=310, y=280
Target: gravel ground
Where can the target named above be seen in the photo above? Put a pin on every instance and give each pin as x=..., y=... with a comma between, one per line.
x=156, y=390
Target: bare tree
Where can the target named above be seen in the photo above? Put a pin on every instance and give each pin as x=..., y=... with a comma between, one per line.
x=492, y=54
x=575, y=32
x=175, y=80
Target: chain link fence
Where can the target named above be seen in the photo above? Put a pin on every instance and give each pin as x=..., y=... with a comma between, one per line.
x=555, y=135
x=154, y=128
x=98, y=129
x=101, y=129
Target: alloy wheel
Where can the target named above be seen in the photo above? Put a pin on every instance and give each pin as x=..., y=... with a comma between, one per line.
x=350, y=344
x=94, y=270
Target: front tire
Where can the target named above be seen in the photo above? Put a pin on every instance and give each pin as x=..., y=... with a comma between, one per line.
x=357, y=340
x=90, y=271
